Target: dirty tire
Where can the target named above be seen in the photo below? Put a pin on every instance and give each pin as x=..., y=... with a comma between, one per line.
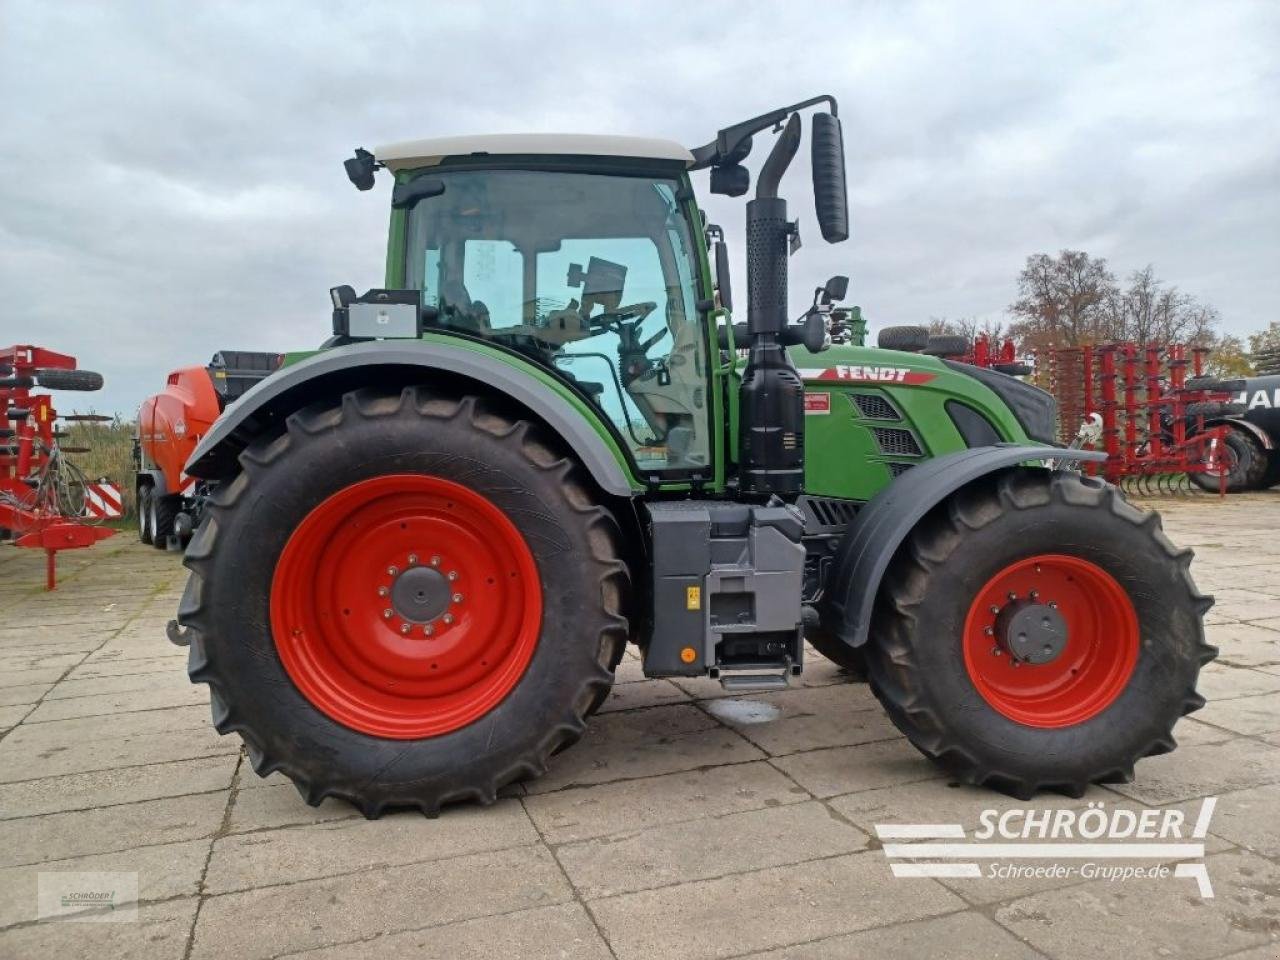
x=1248, y=465
x=917, y=658
x=948, y=345
x=162, y=508
x=908, y=339
x=374, y=437
x=144, y=515
x=1215, y=408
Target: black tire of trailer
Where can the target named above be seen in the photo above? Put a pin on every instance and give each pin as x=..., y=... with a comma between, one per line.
x=1248, y=465
x=907, y=339
x=82, y=380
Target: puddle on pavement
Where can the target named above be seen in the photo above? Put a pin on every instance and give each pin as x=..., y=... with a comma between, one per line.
x=743, y=711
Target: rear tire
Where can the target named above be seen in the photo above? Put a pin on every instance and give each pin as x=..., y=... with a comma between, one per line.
x=1134, y=635
x=163, y=508
x=255, y=581
x=1247, y=465
x=144, y=515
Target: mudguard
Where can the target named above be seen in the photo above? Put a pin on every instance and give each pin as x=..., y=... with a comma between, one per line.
x=349, y=367
x=880, y=527
x=1239, y=423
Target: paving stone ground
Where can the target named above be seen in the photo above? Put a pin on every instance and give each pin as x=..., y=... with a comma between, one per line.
x=678, y=828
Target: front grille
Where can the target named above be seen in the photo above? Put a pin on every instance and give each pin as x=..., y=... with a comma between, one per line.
x=898, y=443
x=875, y=407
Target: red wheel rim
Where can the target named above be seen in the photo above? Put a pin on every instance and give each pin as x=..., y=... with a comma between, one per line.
x=406, y=606
x=1094, y=665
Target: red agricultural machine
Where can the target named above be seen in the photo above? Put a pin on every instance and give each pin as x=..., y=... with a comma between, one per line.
x=46, y=503
x=1156, y=424
x=170, y=424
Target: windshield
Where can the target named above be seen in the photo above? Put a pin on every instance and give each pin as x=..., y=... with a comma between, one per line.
x=590, y=274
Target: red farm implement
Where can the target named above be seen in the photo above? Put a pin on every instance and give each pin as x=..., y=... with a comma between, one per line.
x=1156, y=424
x=44, y=499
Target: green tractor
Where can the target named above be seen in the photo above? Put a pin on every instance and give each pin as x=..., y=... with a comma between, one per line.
x=430, y=540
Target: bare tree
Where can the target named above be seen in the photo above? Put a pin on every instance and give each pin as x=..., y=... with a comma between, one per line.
x=1062, y=300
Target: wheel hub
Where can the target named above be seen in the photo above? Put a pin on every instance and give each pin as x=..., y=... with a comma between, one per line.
x=1031, y=632
x=420, y=594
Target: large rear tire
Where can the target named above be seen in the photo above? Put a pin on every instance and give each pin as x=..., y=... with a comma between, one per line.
x=1064, y=554
x=405, y=600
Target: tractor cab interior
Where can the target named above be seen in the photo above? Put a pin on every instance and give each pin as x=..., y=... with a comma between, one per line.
x=591, y=275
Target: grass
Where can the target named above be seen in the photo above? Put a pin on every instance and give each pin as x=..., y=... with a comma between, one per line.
x=109, y=456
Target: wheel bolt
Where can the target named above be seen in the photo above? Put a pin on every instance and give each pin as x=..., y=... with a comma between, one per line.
x=447, y=618
x=383, y=591
x=393, y=570
x=453, y=574
x=994, y=608
x=1054, y=604
x=988, y=630
x=1035, y=595
x=457, y=598
x=428, y=629
x=1012, y=595
x=386, y=614
x=404, y=628
x=995, y=651
x=413, y=559
x=435, y=561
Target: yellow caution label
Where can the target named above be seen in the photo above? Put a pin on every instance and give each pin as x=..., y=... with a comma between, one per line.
x=693, y=598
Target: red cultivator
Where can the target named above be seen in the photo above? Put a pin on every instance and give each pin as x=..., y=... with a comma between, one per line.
x=1139, y=405
x=43, y=497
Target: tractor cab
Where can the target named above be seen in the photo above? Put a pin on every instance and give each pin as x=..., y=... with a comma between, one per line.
x=578, y=252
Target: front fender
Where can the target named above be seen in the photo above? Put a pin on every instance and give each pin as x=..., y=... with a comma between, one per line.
x=330, y=373
x=879, y=528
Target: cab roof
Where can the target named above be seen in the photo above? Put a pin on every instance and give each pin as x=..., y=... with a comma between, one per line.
x=426, y=153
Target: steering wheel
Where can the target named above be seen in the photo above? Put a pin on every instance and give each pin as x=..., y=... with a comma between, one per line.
x=613, y=321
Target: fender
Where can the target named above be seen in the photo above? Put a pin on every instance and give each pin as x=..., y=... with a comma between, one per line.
x=1239, y=423
x=157, y=480
x=386, y=361
x=880, y=527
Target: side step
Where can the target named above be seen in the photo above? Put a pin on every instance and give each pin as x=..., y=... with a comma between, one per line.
x=738, y=682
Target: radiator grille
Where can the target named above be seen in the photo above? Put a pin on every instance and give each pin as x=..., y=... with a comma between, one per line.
x=899, y=443
x=827, y=511
x=875, y=407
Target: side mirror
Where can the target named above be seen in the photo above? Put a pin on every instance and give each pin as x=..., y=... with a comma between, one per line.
x=723, y=285
x=830, y=201
x=407, y=195
x=360, y=169
x=835, y=289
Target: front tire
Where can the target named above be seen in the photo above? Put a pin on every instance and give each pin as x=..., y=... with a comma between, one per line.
x=1123, y=639
x=375, y=507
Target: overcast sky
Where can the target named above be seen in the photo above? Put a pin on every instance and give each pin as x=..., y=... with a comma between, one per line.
x=171, y=178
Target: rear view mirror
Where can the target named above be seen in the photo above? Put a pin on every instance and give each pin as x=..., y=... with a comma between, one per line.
x=406, y=195
x=830, y=202
x=731, y=180
x=836, y=289
x=723, y=286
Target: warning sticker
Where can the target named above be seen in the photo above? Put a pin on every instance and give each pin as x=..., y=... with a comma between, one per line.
x=817, y=403
x=693, y=598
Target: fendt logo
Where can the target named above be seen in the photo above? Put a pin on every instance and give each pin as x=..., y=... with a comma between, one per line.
x=864, y=373
x=1084, y=843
